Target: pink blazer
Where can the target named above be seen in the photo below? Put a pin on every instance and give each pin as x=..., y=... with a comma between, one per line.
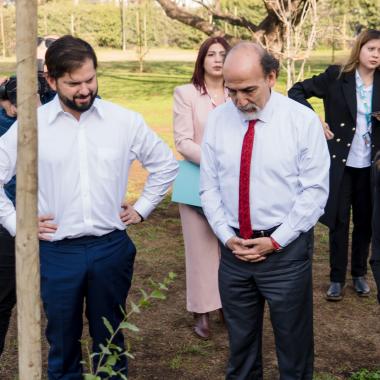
x=190, y=109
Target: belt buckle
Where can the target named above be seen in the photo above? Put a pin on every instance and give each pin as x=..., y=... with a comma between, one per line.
x=262, y=233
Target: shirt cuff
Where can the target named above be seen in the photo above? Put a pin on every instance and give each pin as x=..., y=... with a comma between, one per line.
x=9, y=223
x=144, y=207
x=225, y=233
x=284, y=235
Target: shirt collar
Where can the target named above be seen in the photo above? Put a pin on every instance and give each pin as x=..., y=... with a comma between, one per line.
x=360, y=83
x=264, y=114
x=56, y=109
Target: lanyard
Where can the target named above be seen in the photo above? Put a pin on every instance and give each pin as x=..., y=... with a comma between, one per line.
x=367, y=107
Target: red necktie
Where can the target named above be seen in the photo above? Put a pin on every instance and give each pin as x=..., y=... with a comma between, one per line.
x=245, y=170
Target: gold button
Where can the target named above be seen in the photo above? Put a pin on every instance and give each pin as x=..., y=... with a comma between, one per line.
x=344, y=160
x=342, y=124
x=353, y=128
x=348, y=144
x=333, y=156
x=373, y=145
x=337, y=140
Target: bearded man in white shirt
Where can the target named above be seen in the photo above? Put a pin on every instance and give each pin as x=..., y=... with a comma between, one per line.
x=264, y=184
x=86, y=147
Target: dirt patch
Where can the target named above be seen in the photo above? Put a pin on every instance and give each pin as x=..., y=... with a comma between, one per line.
x=347, y=333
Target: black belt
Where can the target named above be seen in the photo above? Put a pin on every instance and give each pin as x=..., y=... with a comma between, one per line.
x=259, y=233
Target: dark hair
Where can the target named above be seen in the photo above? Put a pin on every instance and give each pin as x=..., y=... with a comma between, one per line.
x=269, y=63
x=198, y=78
x=67, y=54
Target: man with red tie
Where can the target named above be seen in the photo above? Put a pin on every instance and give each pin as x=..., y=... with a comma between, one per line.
x=264, y=184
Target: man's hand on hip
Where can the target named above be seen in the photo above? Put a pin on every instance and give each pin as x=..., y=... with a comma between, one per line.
x=46, y=227
x=129, y=215
x=254, y=250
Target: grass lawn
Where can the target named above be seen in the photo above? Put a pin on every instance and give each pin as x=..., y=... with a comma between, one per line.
x=347, y=334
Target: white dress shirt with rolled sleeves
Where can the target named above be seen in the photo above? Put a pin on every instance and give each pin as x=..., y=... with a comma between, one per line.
x=83, y=168
x=289, y=180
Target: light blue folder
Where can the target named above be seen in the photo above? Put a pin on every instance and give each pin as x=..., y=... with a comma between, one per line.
x=186, y=185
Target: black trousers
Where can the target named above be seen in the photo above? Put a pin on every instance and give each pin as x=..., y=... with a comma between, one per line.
x=7, y=282
x=355, y=192
x=284, y=280
x=375, y=258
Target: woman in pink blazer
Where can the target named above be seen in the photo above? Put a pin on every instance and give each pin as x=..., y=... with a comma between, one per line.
x=192, y=103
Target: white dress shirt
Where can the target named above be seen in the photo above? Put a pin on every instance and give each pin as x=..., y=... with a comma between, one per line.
x=359, y=155
x=83, y=168
x=289, y=169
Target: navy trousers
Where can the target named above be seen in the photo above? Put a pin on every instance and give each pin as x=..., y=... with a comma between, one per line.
x=7, y=282
x=95, y=271
x=284, y=281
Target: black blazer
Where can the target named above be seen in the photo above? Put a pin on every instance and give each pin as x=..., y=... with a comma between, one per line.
x=339, y=99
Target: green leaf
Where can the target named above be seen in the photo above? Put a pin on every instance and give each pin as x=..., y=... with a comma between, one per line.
x=172, y=275
x=135, y=308
x=89, y=376
x=112, y=346
x=108, y=325
x=105, y=369
x=111, y=360
x=144, y=303
x=143, y=292
x=105, y=350
x=158, y=294
x=162, y=286
x=129, y=326
x=122, y=311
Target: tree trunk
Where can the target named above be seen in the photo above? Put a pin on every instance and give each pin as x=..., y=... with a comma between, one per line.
x=269, y=32
x=123, y=26
x=27, y=247
x=2, y=26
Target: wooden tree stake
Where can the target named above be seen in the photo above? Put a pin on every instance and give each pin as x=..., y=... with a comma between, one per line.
x=27, y=247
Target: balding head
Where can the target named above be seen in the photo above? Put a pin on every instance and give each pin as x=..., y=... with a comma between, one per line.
x=245, y=54
x=249, y=73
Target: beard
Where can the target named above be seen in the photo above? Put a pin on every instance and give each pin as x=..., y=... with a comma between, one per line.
x=249, y=111
x=71, y=104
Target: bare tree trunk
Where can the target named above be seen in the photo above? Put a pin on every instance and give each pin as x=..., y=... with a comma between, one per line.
x=72, y=26
x=123, y=26
x=2, y=26
x=27, y=247
x=145, y=28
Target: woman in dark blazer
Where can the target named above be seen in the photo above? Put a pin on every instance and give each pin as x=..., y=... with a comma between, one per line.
x=351, y=94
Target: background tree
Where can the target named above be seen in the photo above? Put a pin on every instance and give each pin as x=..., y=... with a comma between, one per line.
x=2, y=33
x=288, y=28
x=123, y=25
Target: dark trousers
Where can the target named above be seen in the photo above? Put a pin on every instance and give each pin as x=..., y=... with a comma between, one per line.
x=7, y=282
x=375, y=258
x=97, y=270
x=355, y=192
x=284, y=280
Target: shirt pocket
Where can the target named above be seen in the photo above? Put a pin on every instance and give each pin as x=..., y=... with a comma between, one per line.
x=108, y=163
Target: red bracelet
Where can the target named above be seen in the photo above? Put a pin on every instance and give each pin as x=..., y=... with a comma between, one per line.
x=276, y=247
